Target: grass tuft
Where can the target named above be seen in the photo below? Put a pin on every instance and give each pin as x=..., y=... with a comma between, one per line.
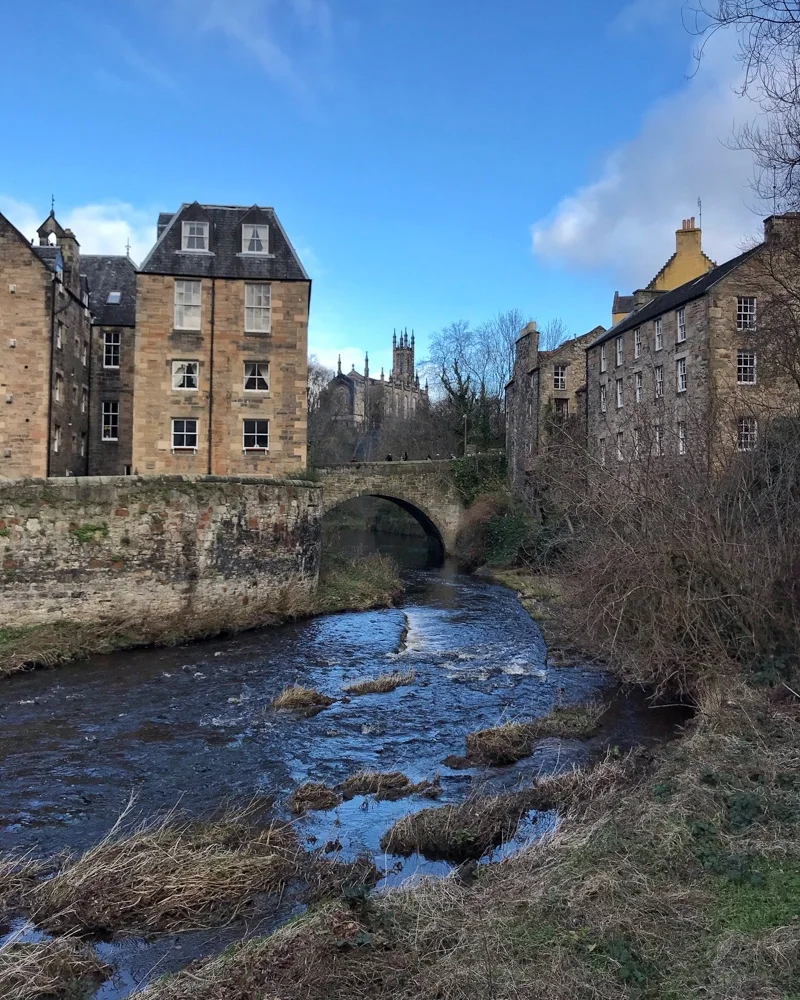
x=382, y=684
x=297, y=697
x=388, y=785
x=48, y=969
x=313, y=795
x=512, y=741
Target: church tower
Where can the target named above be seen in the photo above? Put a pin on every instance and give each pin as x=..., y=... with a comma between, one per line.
x=403, y=359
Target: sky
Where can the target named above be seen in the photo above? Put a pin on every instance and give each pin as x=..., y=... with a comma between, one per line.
x=431, y=160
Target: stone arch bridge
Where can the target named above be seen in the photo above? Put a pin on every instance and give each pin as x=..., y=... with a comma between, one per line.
x=426, y=490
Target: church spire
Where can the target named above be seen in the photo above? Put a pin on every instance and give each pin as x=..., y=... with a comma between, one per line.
x=339, y=368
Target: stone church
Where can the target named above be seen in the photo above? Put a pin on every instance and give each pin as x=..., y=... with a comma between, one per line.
x=360, y=399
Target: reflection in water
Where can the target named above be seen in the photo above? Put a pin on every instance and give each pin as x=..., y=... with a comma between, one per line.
x=194, y=726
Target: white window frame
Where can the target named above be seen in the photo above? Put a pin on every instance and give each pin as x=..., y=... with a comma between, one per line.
x=681, y=323
x=681, y=377
x=658, y=440
x=639, y=387
x=185, y=432
x=746, y=433
x=187, y=237
x=257, y=374
x=620, y=446
x=56, y=439
x=255, y=434
x=248, y=229
x=637, y=342
x=59, y=334
x=181, y=374
x=658, y=334
x=109, y=409
x=659, y=381
x=746, y=307
x=188, y=304
x=602, y=359
x=257, y=315
x=603, y=399
x=561, y=407
x=560, y=378
x=109, y=345
x=58, y=391
x=746, y=368
x=681, y=437
x=85, y=353
x=619, y=349
x=636, y=443
x=601, y=443
x=84, y=398
x=620, y=394
x=83, y=444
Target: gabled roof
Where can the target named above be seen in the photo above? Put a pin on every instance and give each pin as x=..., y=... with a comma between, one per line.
x=667, y=301
x=224, y=258
x=106, y=275
x=623, y=303
x=50, y=256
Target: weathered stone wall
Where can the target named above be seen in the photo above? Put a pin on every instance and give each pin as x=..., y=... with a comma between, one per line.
x=111, y=458
x=107, y=548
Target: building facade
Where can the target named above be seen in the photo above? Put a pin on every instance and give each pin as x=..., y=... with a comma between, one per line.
x=45, y=356
x=362, y=400
x=685, y=375
x=220, y=376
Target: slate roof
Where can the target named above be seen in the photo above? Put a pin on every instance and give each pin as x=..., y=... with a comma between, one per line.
x=679, y=296
x=224, y=258
x=623, y=303
x=111, y=274
x=50, y=257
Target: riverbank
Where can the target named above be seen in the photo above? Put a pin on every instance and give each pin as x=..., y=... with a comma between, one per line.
x=355, y=583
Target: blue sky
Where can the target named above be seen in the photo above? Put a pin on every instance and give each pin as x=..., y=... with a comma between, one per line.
x=431, y=160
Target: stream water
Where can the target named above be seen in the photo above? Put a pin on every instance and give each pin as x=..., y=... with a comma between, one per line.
x=192, y=726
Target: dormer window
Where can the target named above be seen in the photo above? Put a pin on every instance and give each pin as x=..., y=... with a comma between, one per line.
x=113, y=298
x=195, y=236
x=255, y=239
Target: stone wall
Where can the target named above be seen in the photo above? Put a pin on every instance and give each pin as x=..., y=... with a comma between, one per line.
x=94, y=549
x=112, y=458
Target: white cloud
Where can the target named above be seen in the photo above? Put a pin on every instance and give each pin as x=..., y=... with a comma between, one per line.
x=100, y=228
x=622, y=221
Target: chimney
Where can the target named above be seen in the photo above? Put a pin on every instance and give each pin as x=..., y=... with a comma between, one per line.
x=688, y=239
x=778, y=227
x=71, y=252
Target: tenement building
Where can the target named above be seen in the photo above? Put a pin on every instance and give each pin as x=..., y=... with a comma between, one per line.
x=45, y=331
x=697, y=370
x=361, y=400
x=220, y=374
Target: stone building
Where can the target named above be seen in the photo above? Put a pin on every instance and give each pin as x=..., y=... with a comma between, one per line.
x=45, y=332
x=359, y=399
x=547, y=387
x=219, y=386
x=684, y=375
x=112, y=303
x=686, y=263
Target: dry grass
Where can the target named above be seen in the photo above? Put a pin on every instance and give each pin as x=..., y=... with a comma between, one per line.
x=18, y=875
x=675, y=878
x=388, y=785
x=297, y=697
x=382, y=684
x=59, y=968
x=313, y=795
x=171, y=874
x=512, y=741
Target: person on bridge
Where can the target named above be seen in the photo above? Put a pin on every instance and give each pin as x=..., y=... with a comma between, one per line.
x=388, y=458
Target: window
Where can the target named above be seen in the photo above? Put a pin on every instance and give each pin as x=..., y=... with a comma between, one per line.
x=659, y=372
x=560, y=377
x=257, y=308
x=184, y=434
x=59, y=393
x=74, y=443
x=187, y=305
x=256, y=376
x=746, y=312
x=637, y=342
x=636, y=442
x=561, y=408
x=127, y=470
x=658, y=440
x=74, y=394
x=255, y=435
x=77, y=346
x=746, y=367
x=84, y=399
x=681, y=325
x=659, y=334
x=747, y=433
x=680, y=374
x=620, y=446
x=602, y=358
x=59, y=334
x=113, y=298
x=185, y=374
x=619, y=351
x=603, y=402
x=619, y=393
x=56, y=439
x=602, y=448
x=111, y=420
x=111, y=348
x=255, y=239
x=195, y=236
x=83, y=443
x=681, y=437
x=639, y=382
x=85, y=355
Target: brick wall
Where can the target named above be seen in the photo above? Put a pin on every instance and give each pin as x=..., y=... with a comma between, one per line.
x=103, y=548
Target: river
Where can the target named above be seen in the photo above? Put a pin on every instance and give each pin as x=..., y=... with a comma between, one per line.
x=192, y=726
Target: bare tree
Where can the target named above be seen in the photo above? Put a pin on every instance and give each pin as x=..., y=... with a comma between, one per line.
x=553, y=335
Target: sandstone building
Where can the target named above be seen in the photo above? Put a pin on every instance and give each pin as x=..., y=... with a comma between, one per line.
x=362, y=400
x=222, y=304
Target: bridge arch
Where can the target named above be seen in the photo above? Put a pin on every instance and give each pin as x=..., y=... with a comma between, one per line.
x=423, y=519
